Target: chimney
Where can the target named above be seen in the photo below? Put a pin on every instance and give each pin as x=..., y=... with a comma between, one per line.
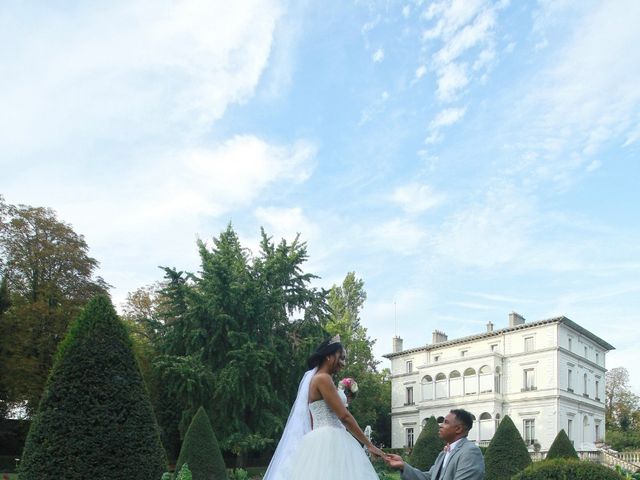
x=489, y=327
x=515, y=319
x=397, y=344
x=439, y=337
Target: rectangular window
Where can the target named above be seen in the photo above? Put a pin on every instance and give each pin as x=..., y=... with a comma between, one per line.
x=409, y=366
x=570, y=430
x=409, y=396
x=436, y=358
x=528, y=344
x=410, y=437
x=597, y=358
x=598, y=439
x=529, y=431
x=570, y=344
x=585, y=384
x=585, y=353
x=597, y=392
x=529, y=379
x=494, y=347
x=463, y=353
x=570, y=381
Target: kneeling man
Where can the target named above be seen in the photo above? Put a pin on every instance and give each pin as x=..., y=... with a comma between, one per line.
x=460, y=460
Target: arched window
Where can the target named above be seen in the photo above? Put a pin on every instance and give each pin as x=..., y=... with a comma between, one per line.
x=441, y=385
x=486, y=426
x=486, y=379
x=427, y=387
x=455, y=384
x=470, y=382
x=440, y=419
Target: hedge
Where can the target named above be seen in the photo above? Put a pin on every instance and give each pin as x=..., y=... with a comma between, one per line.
x=429, y=445
x=201, y=451
x=562, y=447
x=567, y=469
x=507, y=453
x=94, y=419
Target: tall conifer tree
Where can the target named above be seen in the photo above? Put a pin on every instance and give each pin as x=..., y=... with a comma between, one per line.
x=95, y=419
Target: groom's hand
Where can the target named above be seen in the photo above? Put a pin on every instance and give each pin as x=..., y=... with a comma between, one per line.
x=394, y=461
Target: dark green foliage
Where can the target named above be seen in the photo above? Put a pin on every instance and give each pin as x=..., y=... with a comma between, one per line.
x=565, y=469
x=200, y=450
x=507, y=453
x=428, y=446
x=184, y=473
x=95, y=419
x=562, y=447
x=236, y=339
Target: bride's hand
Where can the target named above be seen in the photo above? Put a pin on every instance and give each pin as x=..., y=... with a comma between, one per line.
x=375, y=451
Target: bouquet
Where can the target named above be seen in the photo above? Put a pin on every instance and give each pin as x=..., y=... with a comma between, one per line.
x=349, y=386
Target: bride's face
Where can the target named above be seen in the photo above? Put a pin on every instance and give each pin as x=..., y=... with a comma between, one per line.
x=340, y=360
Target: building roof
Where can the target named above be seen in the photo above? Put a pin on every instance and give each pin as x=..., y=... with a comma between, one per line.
x=569, y=323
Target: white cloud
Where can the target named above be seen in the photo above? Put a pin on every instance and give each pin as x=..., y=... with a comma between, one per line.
x=378, y=55
x=416, y=198
x=444, y=118
x=587, y=98
x=447, y=117
x=134, y=70
x=420, y=72
x=459, y=28
x=286, y=222
x=452, y=78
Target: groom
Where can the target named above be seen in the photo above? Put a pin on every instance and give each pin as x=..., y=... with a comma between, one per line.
x=461, y=459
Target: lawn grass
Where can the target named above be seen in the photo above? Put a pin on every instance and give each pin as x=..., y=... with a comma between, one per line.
x=9, y=476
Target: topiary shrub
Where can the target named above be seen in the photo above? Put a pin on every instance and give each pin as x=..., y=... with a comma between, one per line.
x=562, y=447
x=507, y=453
x=184, y=473
x=429, y=445
x=94, y=419
x=567, y=469
x=201, y=451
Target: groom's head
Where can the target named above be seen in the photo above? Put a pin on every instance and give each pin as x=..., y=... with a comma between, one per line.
x=456, y=425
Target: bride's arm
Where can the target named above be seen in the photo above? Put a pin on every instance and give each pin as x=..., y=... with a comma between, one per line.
x=330, y=396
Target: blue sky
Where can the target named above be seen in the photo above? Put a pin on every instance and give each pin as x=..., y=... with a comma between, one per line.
x=465, y=158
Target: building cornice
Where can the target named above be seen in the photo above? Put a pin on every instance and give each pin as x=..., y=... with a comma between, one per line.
x=496, y=333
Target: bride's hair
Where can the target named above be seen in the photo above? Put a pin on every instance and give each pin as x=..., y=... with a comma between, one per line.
x=327, y=347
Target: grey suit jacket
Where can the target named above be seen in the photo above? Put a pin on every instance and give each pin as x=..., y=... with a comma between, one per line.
x=465, y=463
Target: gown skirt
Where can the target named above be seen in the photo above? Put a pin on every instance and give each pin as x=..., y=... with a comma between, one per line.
x=328, y=453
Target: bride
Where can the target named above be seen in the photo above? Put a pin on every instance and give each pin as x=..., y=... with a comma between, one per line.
x=315, y=443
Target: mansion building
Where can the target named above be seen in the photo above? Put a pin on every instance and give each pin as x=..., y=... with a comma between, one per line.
x=546, y=375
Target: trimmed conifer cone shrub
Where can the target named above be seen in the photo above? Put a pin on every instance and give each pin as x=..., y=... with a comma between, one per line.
x=562, y=447
x=428, y=446
x=567, y=469
x=507, y=454
x=94, y=420
x=200, y=450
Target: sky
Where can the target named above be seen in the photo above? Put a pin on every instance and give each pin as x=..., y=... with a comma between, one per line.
x=465, y=158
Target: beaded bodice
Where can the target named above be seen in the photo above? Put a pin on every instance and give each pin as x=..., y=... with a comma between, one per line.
x=322, y=414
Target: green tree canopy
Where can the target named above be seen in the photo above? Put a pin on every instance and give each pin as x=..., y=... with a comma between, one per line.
x=236, y=336
x=200, y=450
x=372, y=406
x=49, y=277
x=429, y=445
x=562, y=447
x=507, y=454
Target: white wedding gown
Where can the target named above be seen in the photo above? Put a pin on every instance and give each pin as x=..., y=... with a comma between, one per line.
x=328, y=451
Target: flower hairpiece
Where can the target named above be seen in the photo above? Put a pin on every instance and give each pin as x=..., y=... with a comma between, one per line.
x=335, y=339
